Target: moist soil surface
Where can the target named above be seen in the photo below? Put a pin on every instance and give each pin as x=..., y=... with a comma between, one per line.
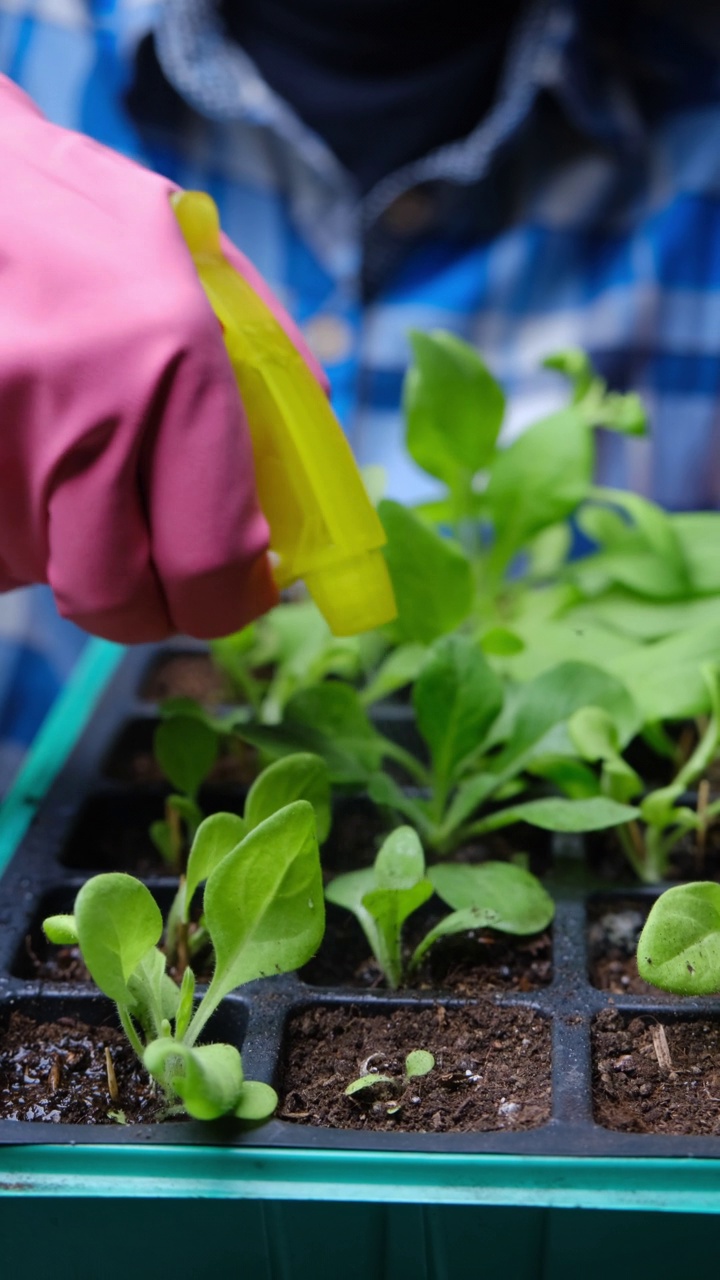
x=465, y=964
x=650, y=1077
x=56, y=1072
x=613, y=933
x=187, y=675
x=492, y=1069
x=48, y=963
x=236, y=765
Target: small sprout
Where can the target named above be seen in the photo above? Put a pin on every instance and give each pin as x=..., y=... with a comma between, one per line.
x=118, y=1116
x=417, y=1063
x=498, y=895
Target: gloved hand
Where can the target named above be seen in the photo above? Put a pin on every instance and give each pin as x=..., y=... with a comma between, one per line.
x=126, y=474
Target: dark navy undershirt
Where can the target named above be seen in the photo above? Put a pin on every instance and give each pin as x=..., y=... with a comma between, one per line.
x=384, y=82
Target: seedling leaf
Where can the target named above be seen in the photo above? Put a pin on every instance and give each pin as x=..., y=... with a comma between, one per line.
x=257, y=1101
x=264, y=904
x=679, y=947
x=118, y=921
x=185, y=748
x=214, y=838
x=418, y=1063
x=208, y=1078
x=61, y=930
x=302, y=776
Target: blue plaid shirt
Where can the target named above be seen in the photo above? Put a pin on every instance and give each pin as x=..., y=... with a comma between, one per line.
x=583, y=210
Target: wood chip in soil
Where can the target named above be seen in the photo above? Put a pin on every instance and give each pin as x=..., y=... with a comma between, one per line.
x=56, y=1072
x=650, y=1077
x=492, y=1069
x=464, y=964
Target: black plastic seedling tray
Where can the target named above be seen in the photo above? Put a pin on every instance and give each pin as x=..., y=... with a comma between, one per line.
x=290, y=1201
x=58, y=852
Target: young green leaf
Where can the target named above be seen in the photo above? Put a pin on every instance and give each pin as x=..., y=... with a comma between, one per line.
x=329, y=720
x=550, y=700
x=539, y=480
x=456, y=698
x=679, y=947
x=400, y=668
x=382, y=897
x=667, y=677
x=594, y=734
x=453, y=406
x=516, y=898
x=186, y=749
x=381, y=912
x=432, y=578
x=257, y=1101
x=557, y=814
x=400, y=861
x=302, y=776
x=264, y=905
x=215, y=837
x=61, y=930
x=208, y=1078
x=367, y=1082
x=185, y=1003
x=118, y=922
x=418, y=1063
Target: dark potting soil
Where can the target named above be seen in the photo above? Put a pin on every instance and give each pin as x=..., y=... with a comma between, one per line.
x=492, y=1069
x=57, y=1072
x=613, y=933
x=464, y=964
x=237, y=766
x=655, y=1078
x=187, y=675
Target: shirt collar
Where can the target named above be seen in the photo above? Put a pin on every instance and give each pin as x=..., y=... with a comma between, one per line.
x=551, y=51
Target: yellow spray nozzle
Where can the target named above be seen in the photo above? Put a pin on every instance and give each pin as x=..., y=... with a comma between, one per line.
x=323, y=527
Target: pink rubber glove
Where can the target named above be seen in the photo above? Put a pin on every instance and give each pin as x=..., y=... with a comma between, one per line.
x=126, y=474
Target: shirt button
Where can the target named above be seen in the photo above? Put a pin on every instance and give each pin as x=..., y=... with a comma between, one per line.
x=412, y=213
x=330, y=338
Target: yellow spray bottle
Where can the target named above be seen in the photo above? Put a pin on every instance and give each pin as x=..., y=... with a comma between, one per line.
x=323, y=527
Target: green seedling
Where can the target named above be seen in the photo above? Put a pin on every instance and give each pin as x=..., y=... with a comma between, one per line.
x=679, y=947
x=506, y=507
x=663, y=818
x=186, y=748
x=417, y=1063
x=263, y=910
x=497, y=895
x=297, y=777
x=287, y=650
x=484, y=738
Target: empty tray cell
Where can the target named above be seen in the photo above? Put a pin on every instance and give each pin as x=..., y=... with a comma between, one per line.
x=492, y=1067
